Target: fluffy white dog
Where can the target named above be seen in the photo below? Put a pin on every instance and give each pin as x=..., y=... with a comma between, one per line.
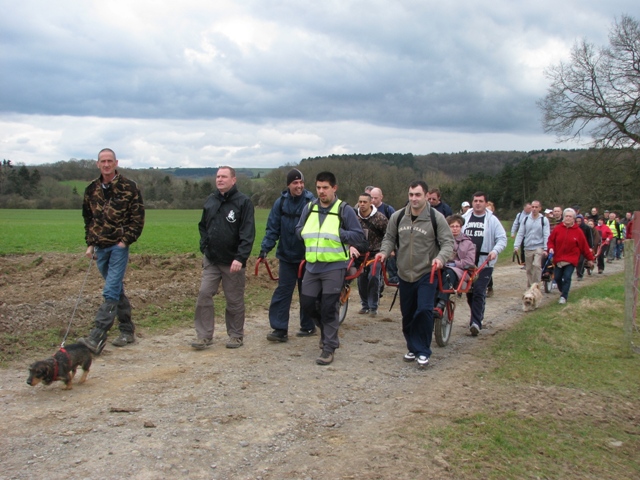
x=532, y=298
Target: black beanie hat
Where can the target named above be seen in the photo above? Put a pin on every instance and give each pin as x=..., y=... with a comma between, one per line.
x=294, y=175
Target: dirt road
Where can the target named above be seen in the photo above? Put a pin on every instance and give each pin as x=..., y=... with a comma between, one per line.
x=158, y=409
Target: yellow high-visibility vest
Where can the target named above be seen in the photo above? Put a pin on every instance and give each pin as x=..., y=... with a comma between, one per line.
x=322, y=243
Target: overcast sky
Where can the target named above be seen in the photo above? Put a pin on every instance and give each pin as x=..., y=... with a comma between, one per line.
x=263, y=83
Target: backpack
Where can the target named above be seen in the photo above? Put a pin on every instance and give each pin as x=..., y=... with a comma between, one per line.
x=434, y=225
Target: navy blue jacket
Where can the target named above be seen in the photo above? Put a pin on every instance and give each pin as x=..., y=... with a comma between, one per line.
x=444, y=209
x=281, y=225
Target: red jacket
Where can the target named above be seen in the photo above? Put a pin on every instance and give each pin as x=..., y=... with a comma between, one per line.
x=605, y=232
x=568, y=243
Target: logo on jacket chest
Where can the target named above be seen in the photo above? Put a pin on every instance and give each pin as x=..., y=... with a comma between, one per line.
x=231, y=217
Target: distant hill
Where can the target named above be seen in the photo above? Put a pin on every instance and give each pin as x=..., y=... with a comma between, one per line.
x=201, y=173
x=454, y=165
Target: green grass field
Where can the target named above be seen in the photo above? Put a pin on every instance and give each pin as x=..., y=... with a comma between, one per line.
x=165, y=231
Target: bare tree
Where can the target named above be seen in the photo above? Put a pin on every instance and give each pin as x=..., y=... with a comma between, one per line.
x=597, y=93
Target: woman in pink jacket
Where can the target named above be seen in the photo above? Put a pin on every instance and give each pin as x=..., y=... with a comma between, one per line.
x=464, y=256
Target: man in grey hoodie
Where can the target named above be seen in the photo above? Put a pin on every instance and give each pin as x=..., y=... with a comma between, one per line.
x=421, y=248
x=533, y=234
x=490, y=238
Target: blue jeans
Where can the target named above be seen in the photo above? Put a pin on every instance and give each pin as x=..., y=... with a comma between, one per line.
x=416, y=305
x=112, y=264
x=369, y=287
x=562, y=276
x=477, y=297
x=281, y=299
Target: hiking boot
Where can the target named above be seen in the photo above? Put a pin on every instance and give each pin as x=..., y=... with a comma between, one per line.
x=363, y=311
x=422, y=360
x=373, y=313
x=123, y=339
x=474, y=329
x=306, y=333
x=234, y=342
x=409, y=357
x=95, y=341
x=202, y=343
x=93, y=345
x=277, y=336
x=325, y=358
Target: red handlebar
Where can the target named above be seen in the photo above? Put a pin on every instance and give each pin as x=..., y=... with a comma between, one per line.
x=266, y=264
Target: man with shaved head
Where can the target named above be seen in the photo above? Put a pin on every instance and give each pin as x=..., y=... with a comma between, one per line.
x=376, y=200
x=387, y=211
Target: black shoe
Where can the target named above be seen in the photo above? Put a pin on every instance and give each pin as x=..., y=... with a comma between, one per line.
x=306, y=333
x=277, y=336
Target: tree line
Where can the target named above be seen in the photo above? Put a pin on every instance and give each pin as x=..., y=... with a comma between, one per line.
x=606, y=178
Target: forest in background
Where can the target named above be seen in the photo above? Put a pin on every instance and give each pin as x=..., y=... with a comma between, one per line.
x=594, y=177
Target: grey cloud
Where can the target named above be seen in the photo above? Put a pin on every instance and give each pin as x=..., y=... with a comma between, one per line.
x=383, y=66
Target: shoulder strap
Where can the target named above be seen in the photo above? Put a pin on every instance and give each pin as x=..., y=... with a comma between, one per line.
x=341, y=208
x=400, y=216
x=287, y=214
x=434, y=225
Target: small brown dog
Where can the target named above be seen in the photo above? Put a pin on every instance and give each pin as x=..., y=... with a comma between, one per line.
x=532, y=298
x=62, y=366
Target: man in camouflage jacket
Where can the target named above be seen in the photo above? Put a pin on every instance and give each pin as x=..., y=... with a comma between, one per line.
x=113, y=214
x=374, y=225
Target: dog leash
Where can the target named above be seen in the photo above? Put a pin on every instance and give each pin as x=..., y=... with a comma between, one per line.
x=64, y=339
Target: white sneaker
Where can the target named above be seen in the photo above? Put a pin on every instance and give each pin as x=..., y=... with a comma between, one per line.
x=422, y=360
x=562, y=301
x=474, y=329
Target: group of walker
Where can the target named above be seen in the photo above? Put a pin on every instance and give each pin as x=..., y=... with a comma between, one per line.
x=327, y=235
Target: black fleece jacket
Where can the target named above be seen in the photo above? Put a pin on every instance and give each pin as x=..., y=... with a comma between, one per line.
x=227, y=227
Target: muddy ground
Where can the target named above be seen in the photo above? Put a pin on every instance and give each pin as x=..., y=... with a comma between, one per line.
x=158, y=409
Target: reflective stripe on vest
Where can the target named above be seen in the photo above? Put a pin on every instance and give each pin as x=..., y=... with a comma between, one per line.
x=322, y=243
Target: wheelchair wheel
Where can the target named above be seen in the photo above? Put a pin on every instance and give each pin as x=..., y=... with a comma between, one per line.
x=443, y=326
x=344, y=302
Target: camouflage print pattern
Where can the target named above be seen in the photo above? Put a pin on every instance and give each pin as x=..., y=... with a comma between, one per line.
x=374, y=228
x=114, y=217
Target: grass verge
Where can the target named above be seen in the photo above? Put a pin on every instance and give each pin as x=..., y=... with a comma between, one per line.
x=559, y=401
